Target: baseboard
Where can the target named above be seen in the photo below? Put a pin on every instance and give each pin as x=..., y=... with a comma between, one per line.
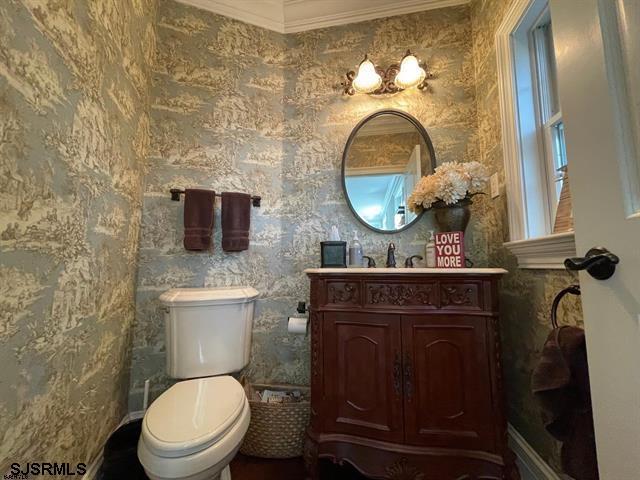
x=94, y=466
x=531, y=465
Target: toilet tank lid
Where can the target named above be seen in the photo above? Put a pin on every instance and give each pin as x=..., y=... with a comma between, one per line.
x=208, y=296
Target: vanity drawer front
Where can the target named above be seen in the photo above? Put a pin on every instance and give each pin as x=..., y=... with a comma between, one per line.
x=451, y=294
x=401, y=294
x=463, y=295
x=342, y=293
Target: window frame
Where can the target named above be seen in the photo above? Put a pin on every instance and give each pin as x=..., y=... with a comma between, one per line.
x=528, y=155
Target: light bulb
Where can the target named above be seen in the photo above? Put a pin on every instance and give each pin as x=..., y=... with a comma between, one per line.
x=367, y=80
x=411, y=73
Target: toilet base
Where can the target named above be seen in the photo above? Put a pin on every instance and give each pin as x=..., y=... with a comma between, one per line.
x=226, y=473
x=212, y=473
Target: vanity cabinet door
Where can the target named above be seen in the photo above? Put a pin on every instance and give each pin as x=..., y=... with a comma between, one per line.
x=362, y=372
x=447, y=382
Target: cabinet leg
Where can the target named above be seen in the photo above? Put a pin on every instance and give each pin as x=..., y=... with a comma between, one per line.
x=311, y=459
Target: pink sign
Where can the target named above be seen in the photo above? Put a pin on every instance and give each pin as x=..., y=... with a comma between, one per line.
x=449, y=250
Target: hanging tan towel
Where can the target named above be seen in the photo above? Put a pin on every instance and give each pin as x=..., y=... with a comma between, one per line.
x=236, y=220
x=198, y=218
x=560, y=382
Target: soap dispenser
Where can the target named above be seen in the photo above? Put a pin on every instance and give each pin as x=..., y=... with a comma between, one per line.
x=430, y=251
x=355, y=251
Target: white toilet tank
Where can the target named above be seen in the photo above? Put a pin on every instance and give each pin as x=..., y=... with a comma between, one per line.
x=208, y=330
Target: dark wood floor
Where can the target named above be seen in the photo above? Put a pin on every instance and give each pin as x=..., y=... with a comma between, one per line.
x=252, y=468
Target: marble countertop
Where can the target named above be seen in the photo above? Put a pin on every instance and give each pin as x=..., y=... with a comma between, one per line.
x=415, y=271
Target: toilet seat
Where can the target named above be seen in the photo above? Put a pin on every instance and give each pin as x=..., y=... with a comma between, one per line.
x=206, y=464
x=192, y=415
x=194, y=428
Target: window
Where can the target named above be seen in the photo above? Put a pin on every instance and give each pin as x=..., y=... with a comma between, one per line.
x=549, y=117
x=533, y=138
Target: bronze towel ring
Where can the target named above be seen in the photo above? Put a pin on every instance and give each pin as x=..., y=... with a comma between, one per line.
x=572, y=289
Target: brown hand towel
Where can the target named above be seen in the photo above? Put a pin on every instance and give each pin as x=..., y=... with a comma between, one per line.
x=560, y=382
x=236, y=218
x=198, y=218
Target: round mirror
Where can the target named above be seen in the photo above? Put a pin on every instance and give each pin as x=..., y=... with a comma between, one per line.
x=384, y=158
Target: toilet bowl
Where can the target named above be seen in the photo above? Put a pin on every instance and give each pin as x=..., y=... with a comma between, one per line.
x=193, y=430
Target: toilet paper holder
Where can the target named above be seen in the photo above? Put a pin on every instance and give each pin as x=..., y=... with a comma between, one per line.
x=299, y=325
x=302, y=307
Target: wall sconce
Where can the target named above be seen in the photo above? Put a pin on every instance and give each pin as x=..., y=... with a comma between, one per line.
x=396, y=78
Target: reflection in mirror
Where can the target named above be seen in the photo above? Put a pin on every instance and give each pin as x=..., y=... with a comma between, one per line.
x=385, y=157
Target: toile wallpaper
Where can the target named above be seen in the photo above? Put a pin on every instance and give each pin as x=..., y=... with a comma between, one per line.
x=237, y=107
x=388, y=150
x=526, y=295
x=104, y=106
x=74, y=89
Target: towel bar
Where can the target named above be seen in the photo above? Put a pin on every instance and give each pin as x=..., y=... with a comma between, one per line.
x=176, y=192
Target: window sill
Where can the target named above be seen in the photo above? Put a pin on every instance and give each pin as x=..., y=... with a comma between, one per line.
x=544, y=252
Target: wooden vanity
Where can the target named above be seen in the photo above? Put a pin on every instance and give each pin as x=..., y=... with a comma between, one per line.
x=406, y=381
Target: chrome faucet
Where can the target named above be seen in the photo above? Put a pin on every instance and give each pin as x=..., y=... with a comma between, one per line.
x=391, y=257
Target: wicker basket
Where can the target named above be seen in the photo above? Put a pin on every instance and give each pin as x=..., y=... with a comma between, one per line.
x=276, y=429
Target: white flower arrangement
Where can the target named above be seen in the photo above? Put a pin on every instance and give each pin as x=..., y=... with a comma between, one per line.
x=451, y=183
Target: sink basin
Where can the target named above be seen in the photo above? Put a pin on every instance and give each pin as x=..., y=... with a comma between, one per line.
x=404, y=271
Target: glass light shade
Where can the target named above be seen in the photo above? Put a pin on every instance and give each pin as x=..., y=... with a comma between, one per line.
x=367, y=80
x=411, y=73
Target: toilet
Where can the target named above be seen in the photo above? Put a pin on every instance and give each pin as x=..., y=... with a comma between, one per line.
x=195, y=428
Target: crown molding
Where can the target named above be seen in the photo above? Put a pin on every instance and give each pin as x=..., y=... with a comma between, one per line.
x=302, y=15
x=292, y=16
x=267, y=14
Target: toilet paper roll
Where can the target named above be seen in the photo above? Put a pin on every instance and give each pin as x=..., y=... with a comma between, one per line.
x=297, y=325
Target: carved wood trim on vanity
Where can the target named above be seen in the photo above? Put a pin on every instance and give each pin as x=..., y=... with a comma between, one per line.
x=400, y=295
x=406, y=380
x=343, y=293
